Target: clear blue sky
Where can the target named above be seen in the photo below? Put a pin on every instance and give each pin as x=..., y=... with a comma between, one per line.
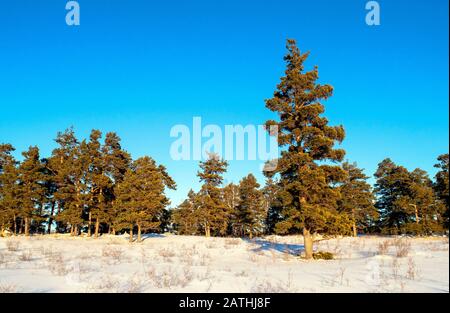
x=139, y=67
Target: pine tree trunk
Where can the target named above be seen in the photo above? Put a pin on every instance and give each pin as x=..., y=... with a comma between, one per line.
x=27, y=226
x=355, y=232
x=50, y=220
x=417, y=215
x=76, y=230
x=89, y=224
x=21, y=226
x=71, y=230
x=139, y=233
x=207, y=231
x=113, y=231
x=131, y=233
x=15, y=225
x=97, y=225
x=308, y=243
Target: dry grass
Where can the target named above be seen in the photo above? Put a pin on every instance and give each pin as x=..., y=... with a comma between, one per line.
x=114, y=253
x=232, y=242
x=12, y=245
x=26, y=256
x=106, y=283
x=402, y=247
x=267, y=286
x=170, y=277
x=383, y=247
x=57, y=265
x=412, y=272
x=166, y=253
x=8, y=288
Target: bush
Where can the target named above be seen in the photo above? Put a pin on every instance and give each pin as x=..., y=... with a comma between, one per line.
x=322, y=255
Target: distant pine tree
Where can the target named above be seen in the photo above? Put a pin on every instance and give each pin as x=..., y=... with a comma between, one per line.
x=272, y=205
x=212, y=213
x=30, y=193
x=251, y=212
x=231, y=199
x=357, y=199
x=140, y=197
x=406, y=201
x=441, y=185
x=184, y=217
x=9, y=206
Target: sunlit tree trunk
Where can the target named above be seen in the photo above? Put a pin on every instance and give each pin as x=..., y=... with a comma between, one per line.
x=308, y=242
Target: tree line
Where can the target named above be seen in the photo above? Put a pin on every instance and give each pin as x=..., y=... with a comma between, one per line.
x=87, y=185
x=94, y=186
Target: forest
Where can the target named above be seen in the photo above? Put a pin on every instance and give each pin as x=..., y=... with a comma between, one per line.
x=93, y=186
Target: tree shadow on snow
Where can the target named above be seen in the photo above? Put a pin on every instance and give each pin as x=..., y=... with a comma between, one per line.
x=147, y=236
x=266, y=245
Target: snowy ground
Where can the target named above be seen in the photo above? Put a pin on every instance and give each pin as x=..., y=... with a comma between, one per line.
x=168, y=263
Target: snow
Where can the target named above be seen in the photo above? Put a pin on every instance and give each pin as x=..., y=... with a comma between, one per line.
x=169, y=263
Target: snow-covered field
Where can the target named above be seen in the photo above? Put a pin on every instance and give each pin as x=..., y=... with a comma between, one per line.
x=168, y=263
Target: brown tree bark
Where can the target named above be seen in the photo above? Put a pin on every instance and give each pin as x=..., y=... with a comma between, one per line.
x=97, y=226
x=27, y=226
x=139, y=233
x=308, y=243
x=89, y=224
x=131, y=233
x=50, y=220
x=15, y=225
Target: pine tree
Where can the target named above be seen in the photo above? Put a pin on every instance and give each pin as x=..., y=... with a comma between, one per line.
x=406, y=201
x=251, y=212
x=392, y=190
x=441, y=185
x=9, y=209
x=357, y=198
x=141, y=197
x=30, y=187
x=116, y=163
x=212, y=212
x=272, y=204
x=68, y=165
x=309, y=194
x=428, y=210
x=185, y=218
x=231, y=200
x=98, y=182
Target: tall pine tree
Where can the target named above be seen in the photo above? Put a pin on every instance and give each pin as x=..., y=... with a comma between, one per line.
x=309, y=193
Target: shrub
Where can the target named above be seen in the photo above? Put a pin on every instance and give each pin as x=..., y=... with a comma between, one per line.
x=383, y=247
x=323, y=255
x=403, y=247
